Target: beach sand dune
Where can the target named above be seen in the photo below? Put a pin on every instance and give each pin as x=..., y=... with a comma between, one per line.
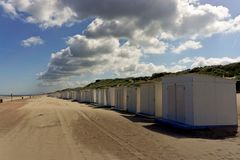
x=52, y=129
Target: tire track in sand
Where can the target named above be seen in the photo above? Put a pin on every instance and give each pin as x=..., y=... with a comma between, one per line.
x=127, y=146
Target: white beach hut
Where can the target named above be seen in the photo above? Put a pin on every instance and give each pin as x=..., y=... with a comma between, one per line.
x=121, y=98
x=98, y=96
x=79, y=95
x=133, y=99
x=64, y=94
x=111, y=96
x=101, y=95
x=68, y=94
x=196, y=101
x=151, y=98
x=93, y=96
x=238, y=102
x=61, y=95
x=71, y=94
x=86, y=93
x=74, y=95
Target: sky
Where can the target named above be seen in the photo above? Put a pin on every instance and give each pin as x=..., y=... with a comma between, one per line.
x=50, y=45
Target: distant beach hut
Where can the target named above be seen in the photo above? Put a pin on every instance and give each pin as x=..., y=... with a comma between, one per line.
x=133, y=99
x=151, y=98
x=93, y=96
x=102, y=97
x=111, y=96
x=121, y=98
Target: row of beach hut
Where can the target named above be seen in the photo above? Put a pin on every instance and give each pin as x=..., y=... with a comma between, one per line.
x=189, y=101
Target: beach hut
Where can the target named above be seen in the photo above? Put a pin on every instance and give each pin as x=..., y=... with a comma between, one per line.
x=238, y=102
x=67, y=96
x=93, y=96
x=64, y=94
x=71, y=94
x=121, y=98
x=111, y=96
x=133, y=99
x=74, y=95
x=61, y=94
x=79, y=95
x=86, y=95
x=198, y=101
x=98, y=96
x=90, y=97
x=101, y=96
x=151, y=98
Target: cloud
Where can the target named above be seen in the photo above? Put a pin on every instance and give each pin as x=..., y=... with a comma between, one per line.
x=42, y=12
x=32, y=41
x=148, y=26
x=63, y=84
x=185, y=60
x=9, y=9
x=176, y=18
x=87, y=56
x=236, y=25
x=201, y=61
x=186, y=46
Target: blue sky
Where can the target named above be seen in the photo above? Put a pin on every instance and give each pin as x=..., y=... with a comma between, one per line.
x=29, y=68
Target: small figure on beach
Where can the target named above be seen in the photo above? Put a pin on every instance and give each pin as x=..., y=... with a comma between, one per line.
x=11, y=96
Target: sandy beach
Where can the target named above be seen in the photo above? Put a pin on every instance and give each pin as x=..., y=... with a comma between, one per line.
x=46, y=128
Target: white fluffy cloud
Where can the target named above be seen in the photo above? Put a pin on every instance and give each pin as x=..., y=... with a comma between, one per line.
x=236, y=25
x=149, y=26
x=186, y=46
x=201, y=61
x=8, y=8
x=43, y=12
x=175, y=18
x=186, y=20
x=87, y=56
x=185, y=60
x=32, y=41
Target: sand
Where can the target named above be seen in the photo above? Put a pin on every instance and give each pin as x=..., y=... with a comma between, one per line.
x=52, y=129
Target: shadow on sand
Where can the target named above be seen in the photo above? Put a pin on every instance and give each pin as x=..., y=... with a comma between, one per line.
x=152, y=125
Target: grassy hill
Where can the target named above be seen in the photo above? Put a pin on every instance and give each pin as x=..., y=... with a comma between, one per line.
x=231, y=71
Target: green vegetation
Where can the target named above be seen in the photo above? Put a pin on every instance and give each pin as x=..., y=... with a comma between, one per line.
x=118, y=82
x=231, y=71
